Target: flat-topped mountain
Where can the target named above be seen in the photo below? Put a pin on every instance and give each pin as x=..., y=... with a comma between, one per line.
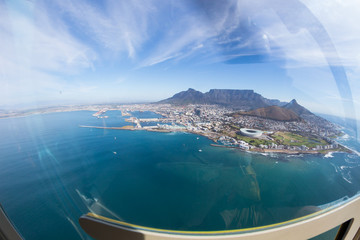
x=237, y=99
x=274, y=113
x=249, y=102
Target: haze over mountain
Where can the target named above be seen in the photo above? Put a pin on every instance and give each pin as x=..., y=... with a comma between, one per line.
x=305, y=113
x=236, y=99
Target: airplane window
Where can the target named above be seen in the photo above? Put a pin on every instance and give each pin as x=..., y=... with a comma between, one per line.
x=177, y=115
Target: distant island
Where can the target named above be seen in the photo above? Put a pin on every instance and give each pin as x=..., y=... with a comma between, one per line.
x=231, y=118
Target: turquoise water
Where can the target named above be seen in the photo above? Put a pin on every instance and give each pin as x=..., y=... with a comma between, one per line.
x=52, y=171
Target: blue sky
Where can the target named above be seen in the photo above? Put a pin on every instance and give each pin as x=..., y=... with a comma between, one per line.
x=78, y=52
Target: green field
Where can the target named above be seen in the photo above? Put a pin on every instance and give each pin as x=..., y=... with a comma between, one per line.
x=253, y=141
x=285, y=138
x=293, y=139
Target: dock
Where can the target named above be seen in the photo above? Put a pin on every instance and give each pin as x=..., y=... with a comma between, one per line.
x=100, y=112
x=128, y=127
x=125, y=113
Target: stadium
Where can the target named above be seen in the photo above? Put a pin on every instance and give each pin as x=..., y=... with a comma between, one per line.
x=251, y=132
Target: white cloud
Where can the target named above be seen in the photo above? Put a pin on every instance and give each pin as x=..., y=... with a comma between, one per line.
x=339, y=18
x=42, y=43
x=119, y=26
x=50, y=41
x=301, y=48
x=35, y=51
x=196, y=30
x=185, y=41
x=245, y=28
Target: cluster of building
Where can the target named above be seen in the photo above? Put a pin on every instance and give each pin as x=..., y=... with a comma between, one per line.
x=229, y=141
x=219, y=123
x=314, y=126
x=299, y=148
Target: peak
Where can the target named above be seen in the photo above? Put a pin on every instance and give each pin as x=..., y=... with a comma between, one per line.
x=191, y=90
x=231, y=90
x=293, y=101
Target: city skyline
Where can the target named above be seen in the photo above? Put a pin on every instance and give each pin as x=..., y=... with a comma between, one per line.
x=86, y=52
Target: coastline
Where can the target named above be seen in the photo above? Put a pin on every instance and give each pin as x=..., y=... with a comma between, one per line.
x=279, y=151
x=27, y=114
x=210, y=136
x=255, y=150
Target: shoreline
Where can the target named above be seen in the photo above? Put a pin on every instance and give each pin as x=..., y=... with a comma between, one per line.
x=255, y=150
x=21, y=115
x=282, y=151
x=343, y=148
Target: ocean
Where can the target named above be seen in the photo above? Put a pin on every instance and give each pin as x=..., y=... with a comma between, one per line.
x=52, y=171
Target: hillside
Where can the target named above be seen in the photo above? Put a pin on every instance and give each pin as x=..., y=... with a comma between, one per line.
x=274, y=113
x=297, y=108
x=249, y=101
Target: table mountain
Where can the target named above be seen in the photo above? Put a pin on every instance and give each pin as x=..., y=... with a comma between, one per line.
x=237, y=99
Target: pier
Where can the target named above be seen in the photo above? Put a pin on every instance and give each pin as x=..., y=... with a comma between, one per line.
x=125, y=113
x=97, y=114
x=128, y=127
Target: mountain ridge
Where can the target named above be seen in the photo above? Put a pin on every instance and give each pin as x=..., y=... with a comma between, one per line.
x=238, y=99
x=246, y=100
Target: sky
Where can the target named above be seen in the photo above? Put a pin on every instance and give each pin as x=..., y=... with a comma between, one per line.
x=82, y=52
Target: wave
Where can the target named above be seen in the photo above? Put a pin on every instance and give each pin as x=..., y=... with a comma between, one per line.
x=337, y=169
x=352, y=158
x=329, y=155
x=295, y=155
x=347, y=177
x=345, y=137
x=174, y=133
x=356, y=152
x=344, y=171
